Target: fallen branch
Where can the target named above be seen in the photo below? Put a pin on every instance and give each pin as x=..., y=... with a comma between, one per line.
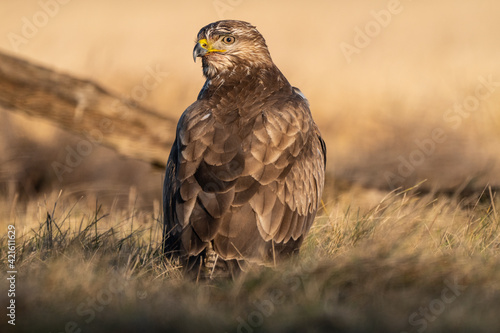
x=84, y=107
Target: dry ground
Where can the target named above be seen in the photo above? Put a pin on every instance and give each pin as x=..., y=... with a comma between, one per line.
x=409, y=263
x=413, y=103
x=377, y=107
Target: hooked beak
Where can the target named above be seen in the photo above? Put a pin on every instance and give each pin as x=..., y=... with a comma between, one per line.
x=199, y=51
x=203, y=47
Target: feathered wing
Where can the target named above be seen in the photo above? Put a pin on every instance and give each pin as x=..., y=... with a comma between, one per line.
x=171, y=228
x=247, y=181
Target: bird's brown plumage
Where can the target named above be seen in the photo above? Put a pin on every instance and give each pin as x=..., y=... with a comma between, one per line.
x=246, y=171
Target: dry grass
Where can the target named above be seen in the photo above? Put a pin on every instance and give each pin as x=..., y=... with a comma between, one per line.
x=373, y=269
x=375, y=260
x=396, y=90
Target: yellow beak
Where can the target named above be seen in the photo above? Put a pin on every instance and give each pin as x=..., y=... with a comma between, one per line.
x=203, y=47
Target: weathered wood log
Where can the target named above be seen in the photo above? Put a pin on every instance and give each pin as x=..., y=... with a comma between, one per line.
x=84, y=107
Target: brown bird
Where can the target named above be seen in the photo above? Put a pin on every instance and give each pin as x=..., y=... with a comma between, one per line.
x=246, y=171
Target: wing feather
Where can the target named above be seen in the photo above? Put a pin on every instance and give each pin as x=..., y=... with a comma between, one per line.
x=244, y=183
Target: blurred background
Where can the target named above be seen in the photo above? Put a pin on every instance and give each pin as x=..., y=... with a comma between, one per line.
x=403, y=91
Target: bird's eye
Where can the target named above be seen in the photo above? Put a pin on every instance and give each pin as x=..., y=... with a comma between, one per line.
x=228, y=39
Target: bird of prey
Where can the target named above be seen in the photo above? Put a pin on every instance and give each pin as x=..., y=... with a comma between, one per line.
x=246, y=170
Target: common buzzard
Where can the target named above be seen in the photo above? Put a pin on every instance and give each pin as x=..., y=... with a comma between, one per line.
x=246, y=171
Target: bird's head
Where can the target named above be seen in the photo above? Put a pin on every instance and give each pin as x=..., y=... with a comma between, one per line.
x=228, y=47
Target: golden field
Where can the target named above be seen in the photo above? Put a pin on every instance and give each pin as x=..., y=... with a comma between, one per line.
x=407, y=96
